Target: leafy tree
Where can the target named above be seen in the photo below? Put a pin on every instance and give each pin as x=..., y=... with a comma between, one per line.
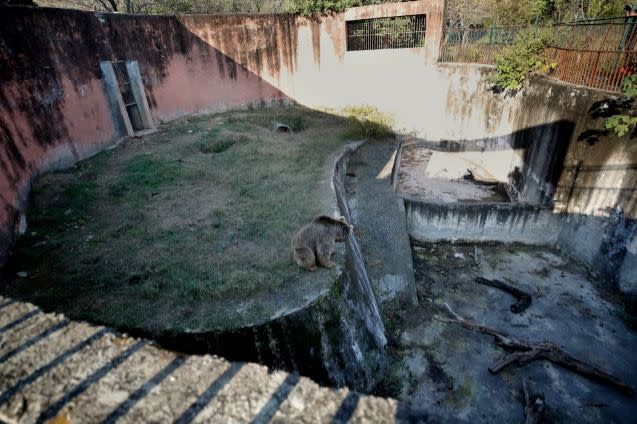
x=527, y=54
x=313, y=7
x=570, y=10
x=517, y=12
x=469, y=13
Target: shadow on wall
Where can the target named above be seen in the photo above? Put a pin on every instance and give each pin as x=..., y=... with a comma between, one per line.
x=530, y=161
x=590, y=188
x=53, y=107
x=262, y=43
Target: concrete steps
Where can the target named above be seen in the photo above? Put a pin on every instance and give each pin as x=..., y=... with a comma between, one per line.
x=56, y=370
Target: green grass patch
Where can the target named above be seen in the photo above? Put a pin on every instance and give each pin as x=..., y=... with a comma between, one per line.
x=367, y=122
x=158, y=235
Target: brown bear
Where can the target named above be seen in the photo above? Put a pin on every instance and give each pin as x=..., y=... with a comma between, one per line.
x=314, y=243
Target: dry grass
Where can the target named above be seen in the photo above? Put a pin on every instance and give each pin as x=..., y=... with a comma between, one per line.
x=165, y=232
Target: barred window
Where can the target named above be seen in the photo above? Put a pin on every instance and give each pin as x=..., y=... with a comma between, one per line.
x=397, y=32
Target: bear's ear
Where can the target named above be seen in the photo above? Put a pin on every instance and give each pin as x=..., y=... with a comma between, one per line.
x=324, y=219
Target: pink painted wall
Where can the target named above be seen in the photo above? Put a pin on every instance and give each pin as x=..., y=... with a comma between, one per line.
x=54, y=109
x=53, y=106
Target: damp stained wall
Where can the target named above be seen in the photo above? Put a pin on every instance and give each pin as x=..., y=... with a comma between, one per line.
x=53, y=105
x=53, y=109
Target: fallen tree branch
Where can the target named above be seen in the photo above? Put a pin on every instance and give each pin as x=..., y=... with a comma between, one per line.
x=524, y=299
x=525, y=352
x=533, y=406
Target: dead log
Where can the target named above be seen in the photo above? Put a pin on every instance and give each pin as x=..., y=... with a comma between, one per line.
x=524, y=299
x=533, y=406
x=525, y=352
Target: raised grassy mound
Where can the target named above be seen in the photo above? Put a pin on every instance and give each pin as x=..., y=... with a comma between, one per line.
x=187, y=229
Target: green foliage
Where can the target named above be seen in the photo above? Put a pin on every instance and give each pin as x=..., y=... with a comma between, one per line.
x=604, y=8
x=517, y=12
x=314, y=7
x=367, y=122
x=629, y=86
x=169, y=7
x=320, y=7
x=620, y=125
x=217, y=146
x=524, y=56
x=296, y=123
x=144, y=173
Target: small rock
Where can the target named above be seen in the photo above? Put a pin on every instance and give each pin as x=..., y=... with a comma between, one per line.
x=68, y=211
x=189, y=131
x=459, y=256
x=22, y=274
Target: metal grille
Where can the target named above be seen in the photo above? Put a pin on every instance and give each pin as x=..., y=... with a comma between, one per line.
x=397, y=32
x=597, y=53
x=124, y=83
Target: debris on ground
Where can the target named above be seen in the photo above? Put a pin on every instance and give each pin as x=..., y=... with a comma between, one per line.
x=526, y=352
x=524, y=299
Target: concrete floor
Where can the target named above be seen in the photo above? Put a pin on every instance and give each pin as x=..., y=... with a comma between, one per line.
x=438, y=176
x=444, y=366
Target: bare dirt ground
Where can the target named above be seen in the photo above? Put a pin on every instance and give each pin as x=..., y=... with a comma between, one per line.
x=443, y=367
x=184, y=229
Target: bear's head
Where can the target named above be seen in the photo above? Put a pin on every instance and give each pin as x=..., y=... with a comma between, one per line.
x=343, y=229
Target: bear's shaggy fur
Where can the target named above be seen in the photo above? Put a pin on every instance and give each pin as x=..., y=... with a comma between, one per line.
x=314, y=243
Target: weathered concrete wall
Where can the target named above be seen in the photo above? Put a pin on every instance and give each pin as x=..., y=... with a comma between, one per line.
x=308, y=60
x=501, y=222
x=53, y=110
x=554, y=154
x=53, y=106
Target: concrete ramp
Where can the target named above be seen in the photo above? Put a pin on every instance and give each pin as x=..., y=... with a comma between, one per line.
x=379, y=220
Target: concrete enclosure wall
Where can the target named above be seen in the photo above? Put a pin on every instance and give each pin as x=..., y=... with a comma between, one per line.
x=501, y=222
x=546, y=143
x=54, y=110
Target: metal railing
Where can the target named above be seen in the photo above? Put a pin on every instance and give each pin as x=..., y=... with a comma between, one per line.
x=598, y=53
x=386, y=33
